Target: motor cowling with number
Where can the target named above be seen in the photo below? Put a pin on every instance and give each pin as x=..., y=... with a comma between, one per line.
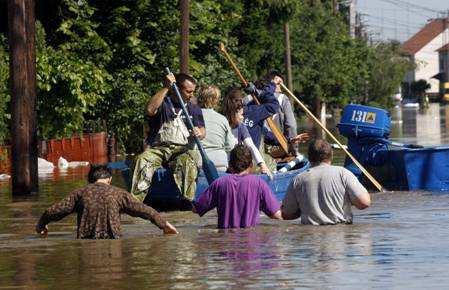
x=367, y=129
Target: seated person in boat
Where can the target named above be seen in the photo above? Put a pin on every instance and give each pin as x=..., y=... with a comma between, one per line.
x=239, y=197
x=324, y=194
x=219, y=139
x=252, y=120
x=233, y=110
x=99, y=206
x=169, y=141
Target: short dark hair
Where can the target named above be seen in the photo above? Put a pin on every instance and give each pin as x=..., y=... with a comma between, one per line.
x=98, y=171
x=273, y=74
x=319, y=150
x=182, y=77
x=240, y=159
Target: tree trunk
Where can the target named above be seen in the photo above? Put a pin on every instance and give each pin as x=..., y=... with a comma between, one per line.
x=288, y=57
x=184, y=6
x=23, y=92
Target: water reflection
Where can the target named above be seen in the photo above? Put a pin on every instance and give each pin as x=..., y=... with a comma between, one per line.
x=429, y=127
x=400, y=242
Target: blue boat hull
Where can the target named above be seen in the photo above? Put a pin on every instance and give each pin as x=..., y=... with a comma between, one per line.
x=415, y=169
x=164, y=194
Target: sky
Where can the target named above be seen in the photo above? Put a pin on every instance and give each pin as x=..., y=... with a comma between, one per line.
x=398, y=19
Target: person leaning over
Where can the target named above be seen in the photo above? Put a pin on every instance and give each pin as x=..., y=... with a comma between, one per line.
x=239, y=197
x=169, y=141
x=219, y=139
x=323, y=194
x=99, y=206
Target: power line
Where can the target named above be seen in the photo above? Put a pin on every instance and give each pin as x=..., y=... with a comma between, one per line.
x=394, y=21
x=405, y=4
x=413, y=8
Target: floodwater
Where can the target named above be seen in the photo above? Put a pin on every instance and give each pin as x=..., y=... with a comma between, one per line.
x=400, y=242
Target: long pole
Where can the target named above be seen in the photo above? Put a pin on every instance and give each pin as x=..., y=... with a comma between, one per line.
x=23, y=90
x=367, y=174
x=274, y=129
x=185, y=19
x=288, y=56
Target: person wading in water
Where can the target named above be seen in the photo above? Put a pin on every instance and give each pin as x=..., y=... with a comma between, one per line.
x=239, y=197
x=98, y=206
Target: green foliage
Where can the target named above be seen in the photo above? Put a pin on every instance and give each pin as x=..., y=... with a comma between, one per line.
x=387, y=68
x=104, y=59
x=5, y=116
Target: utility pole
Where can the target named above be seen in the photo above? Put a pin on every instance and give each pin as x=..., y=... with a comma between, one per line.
x=21, y=19
x=288, y=56
x=185, y=19
x=334, y=7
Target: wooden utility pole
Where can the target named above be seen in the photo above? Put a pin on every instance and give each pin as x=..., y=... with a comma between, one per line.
x=334, y=7
x=185, y=19
x=288, y=56
x=21, y=19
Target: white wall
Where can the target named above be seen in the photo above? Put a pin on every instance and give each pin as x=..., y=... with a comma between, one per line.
x=428, y=62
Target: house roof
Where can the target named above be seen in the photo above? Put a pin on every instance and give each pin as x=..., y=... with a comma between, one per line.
x=443, y=48
x=424, y=36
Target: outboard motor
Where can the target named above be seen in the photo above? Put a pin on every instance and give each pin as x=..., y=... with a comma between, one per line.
x=367, y=129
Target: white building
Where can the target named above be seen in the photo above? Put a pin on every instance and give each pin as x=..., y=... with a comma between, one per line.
x=424, y=48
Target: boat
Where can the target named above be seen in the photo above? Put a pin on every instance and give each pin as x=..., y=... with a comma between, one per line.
x=164, y=194
x=396, y=166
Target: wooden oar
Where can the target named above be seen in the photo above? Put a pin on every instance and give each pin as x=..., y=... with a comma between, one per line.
x=276, y=132
x=367, y=174
x=208, y=166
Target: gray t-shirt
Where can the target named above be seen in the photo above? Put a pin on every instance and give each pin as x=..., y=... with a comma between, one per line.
x=322, y=195
x=219, y=140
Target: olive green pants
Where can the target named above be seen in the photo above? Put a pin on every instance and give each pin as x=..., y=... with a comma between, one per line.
x=182, y=162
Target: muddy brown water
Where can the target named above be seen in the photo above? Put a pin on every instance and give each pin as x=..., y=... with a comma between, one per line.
x=401, y=241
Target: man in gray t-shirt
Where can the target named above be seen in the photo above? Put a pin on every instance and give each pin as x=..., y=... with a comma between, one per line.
x=324, y=194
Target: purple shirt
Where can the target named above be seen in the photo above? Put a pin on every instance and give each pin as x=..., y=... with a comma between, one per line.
x=238, y=199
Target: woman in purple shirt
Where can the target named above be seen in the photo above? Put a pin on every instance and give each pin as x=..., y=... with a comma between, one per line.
x=239, y=197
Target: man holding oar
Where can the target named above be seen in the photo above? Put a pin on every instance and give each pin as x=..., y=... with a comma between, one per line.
x=169, y=141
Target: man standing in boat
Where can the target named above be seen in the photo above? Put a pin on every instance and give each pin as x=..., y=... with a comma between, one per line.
x=324, y=194
x=169, y=141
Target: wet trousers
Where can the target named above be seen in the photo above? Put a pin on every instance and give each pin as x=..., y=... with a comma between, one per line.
x=181, y=161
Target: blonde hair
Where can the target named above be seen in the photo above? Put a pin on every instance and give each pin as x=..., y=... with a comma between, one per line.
x=209, y=96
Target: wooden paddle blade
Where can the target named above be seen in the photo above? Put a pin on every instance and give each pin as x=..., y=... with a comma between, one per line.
x=209, y=170
x=278, y=134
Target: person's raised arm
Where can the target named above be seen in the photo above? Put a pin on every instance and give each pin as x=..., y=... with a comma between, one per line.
x=269, y=105
x=156, y=101
x=57, y=211
x=134, y=207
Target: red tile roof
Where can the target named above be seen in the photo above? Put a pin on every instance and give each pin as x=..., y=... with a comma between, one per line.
x=424, y=36
x=443, y=48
